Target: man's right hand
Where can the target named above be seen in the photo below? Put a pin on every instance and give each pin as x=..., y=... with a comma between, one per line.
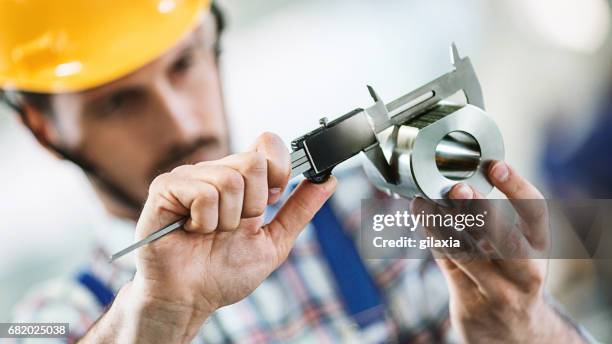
x=225, y=251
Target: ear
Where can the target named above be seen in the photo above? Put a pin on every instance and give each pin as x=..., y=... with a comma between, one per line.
x=41, y=126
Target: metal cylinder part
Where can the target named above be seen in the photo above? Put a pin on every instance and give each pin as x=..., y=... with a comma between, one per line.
x=438, y=149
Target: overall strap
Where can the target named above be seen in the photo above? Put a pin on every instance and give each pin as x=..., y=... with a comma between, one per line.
x=360, y=295
x=103, y=294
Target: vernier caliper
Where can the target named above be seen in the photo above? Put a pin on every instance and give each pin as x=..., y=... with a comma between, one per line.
x=318, y=152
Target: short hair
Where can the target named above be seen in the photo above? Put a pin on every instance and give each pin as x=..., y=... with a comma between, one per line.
x=42, y=101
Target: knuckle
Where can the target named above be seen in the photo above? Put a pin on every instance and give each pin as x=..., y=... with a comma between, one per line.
x=256, y=163
x=540, y=209
x=541, y=243
x=503, y=298
x=159, y=183
x=522, y=188
x=204, y=163
x=231, y=181
x=302, y=207
x=513, y=244
x=207, y=196
x=193, y=225
x=533, y=281
x=183, y=169
x=268, y=138
x=202, y=219
x=533, y=286
x=515, y=187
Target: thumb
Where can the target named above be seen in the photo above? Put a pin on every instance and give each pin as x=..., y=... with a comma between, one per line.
x=295, y=214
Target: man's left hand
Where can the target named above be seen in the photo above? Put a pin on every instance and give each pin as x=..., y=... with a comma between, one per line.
x=502, y=300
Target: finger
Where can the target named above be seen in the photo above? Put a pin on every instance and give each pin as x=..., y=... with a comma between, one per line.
x=502, y=234
x=295, y=214
x=279, y=164
x=508, y=240
x=463, y=271
x=526, y=200
x=483, y=273
x=453, y=273
x=204, y=210
x=493, y=282
x=463, y=191
x=470, y=257
x=439, y=231
x=460, y=285
x=467, y=294
x=230, y=186
x=172, y=197
x=516, y=187
x=461, y=194
x=253, y=167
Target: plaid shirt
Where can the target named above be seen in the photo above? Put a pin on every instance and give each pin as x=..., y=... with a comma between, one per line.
x=297, y=303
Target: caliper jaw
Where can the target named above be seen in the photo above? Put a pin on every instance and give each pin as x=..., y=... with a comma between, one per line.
x=411, y=105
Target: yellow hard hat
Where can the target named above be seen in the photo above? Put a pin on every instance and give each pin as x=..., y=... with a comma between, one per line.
x=71, y=45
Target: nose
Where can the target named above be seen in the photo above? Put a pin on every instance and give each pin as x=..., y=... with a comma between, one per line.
x=174, y=114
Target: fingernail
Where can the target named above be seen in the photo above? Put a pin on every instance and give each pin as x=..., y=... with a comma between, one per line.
x=500, y=172
x=462, y=191
x=274, y=195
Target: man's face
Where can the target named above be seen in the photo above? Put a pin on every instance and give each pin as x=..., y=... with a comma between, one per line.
x=168, y=113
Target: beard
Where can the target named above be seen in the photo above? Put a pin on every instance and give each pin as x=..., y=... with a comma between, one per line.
x=177, y=155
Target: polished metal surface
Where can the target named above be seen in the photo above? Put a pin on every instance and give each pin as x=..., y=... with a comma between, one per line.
x=299, y=163
x=469, y=119
x=152, y=237
x=458, y=155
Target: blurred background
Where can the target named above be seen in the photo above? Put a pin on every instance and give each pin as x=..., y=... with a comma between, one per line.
x=545, y=67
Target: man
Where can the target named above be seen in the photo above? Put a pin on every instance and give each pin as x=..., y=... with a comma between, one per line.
x=130, y=92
